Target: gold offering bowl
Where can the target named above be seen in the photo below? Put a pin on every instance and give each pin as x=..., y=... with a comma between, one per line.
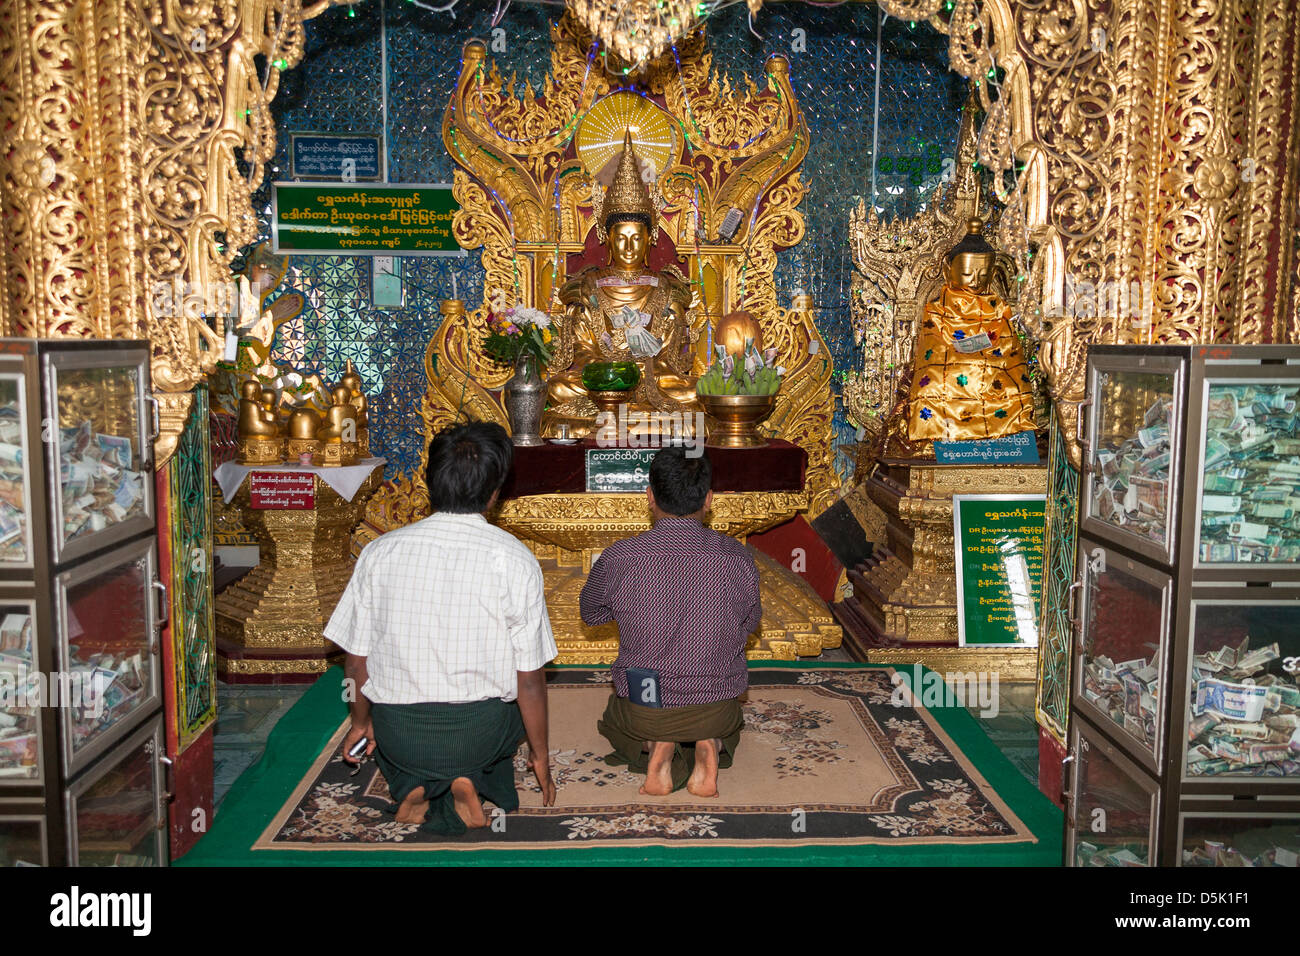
x=608, y=401
x=733, y=419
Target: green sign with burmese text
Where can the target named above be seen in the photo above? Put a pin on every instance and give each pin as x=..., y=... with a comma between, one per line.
x=617, y=470
x=361, y=219
x=999, y=557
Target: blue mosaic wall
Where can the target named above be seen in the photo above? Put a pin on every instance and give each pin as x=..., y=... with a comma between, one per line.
x=337, y=89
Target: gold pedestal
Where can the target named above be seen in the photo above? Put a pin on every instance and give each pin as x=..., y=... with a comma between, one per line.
x=270, y=623
x=260, y=451
x=904, y=604
x=567, y=532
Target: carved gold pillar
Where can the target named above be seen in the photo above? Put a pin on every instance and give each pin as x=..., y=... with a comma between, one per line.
x=118, y=177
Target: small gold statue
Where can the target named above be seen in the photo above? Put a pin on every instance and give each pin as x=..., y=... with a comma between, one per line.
x=352, y=382
x=338, y=433
x=969, y=374
x=304, y=424
x=261, y=439
x=626, y=311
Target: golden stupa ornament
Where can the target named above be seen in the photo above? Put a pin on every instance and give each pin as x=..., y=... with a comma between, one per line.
x=628, y=194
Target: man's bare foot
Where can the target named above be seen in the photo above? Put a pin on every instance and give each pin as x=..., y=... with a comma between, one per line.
x=468, y=806
x=659, y=775
x=704, y=778
x=413, y=808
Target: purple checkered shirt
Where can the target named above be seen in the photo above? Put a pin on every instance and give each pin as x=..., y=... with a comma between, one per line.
x=685, y=599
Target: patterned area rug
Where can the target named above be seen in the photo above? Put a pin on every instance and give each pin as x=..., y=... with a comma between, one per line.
x=827, y=758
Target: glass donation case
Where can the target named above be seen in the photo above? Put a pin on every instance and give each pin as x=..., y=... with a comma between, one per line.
x=1185, y=698
x=81, y=731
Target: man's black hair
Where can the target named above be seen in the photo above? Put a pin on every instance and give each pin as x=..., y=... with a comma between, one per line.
x=680, y=484
x=466, y=464
x=617, y=217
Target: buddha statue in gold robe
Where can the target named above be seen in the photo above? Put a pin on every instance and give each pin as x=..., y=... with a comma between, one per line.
x=625, y=311
x=969, y=373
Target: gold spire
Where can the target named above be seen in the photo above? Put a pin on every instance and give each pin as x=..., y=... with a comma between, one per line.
x=627, y=192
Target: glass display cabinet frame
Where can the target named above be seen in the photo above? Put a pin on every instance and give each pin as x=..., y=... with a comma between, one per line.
x=1226, y=376
x=59, y=366
x=1080, y=821
x=1230, y=810
x=149, y=738
x=32, y=460
x=1097, y=559
x=12, y=820
x=1125, y=362
x=1194, y=370
x=144, y=550
x=1183, y=688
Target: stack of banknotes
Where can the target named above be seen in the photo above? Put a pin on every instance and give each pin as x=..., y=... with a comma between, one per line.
x=1126, y=692
x=13, y=504
x=1250, y=506
x=1244, y=715
x=99, y=486
x=1218, y=853
x=18, y=716
x=1122, y=854
x=1130, y=477
x=115, y=685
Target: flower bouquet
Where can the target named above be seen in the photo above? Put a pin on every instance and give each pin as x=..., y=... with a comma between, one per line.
x=521, y=337
x=517, y=331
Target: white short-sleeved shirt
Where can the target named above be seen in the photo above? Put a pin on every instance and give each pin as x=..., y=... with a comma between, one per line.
x=445, y=610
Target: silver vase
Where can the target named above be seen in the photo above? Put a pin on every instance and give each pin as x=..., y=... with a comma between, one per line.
x=525, y=397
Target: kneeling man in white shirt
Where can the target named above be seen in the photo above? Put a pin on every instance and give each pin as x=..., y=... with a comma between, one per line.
x=446, y=632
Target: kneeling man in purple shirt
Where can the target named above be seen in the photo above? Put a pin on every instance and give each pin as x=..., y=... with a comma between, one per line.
x=686, y=599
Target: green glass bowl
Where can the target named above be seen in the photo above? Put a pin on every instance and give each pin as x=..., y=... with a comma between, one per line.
x=611, y=376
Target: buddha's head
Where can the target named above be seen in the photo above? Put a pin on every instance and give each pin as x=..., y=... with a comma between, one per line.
x=970, y=262
x=629, y=239
x=341, y=395
x=268, y=397
x=251, y=390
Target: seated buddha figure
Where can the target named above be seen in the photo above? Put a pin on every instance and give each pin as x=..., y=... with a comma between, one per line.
x=625, y=311
x=969, y=374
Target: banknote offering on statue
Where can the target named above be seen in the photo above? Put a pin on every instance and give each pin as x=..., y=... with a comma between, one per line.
x=1250, y=506
x=99, y=486
x=1244, y=716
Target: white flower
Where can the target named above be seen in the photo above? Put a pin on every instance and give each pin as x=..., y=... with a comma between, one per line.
x=522, y=315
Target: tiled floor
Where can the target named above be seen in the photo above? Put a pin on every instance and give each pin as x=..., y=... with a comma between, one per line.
x=246, y=715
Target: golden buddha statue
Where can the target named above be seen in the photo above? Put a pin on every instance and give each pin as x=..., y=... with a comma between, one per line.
x=338, y=432
x=625, y=311
x=261, y=438
x=304, y=424
x=352, y=382
x=269, y=414
x=969, y=373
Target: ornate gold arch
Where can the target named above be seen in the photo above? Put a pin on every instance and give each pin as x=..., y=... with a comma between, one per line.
x=747, y=146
